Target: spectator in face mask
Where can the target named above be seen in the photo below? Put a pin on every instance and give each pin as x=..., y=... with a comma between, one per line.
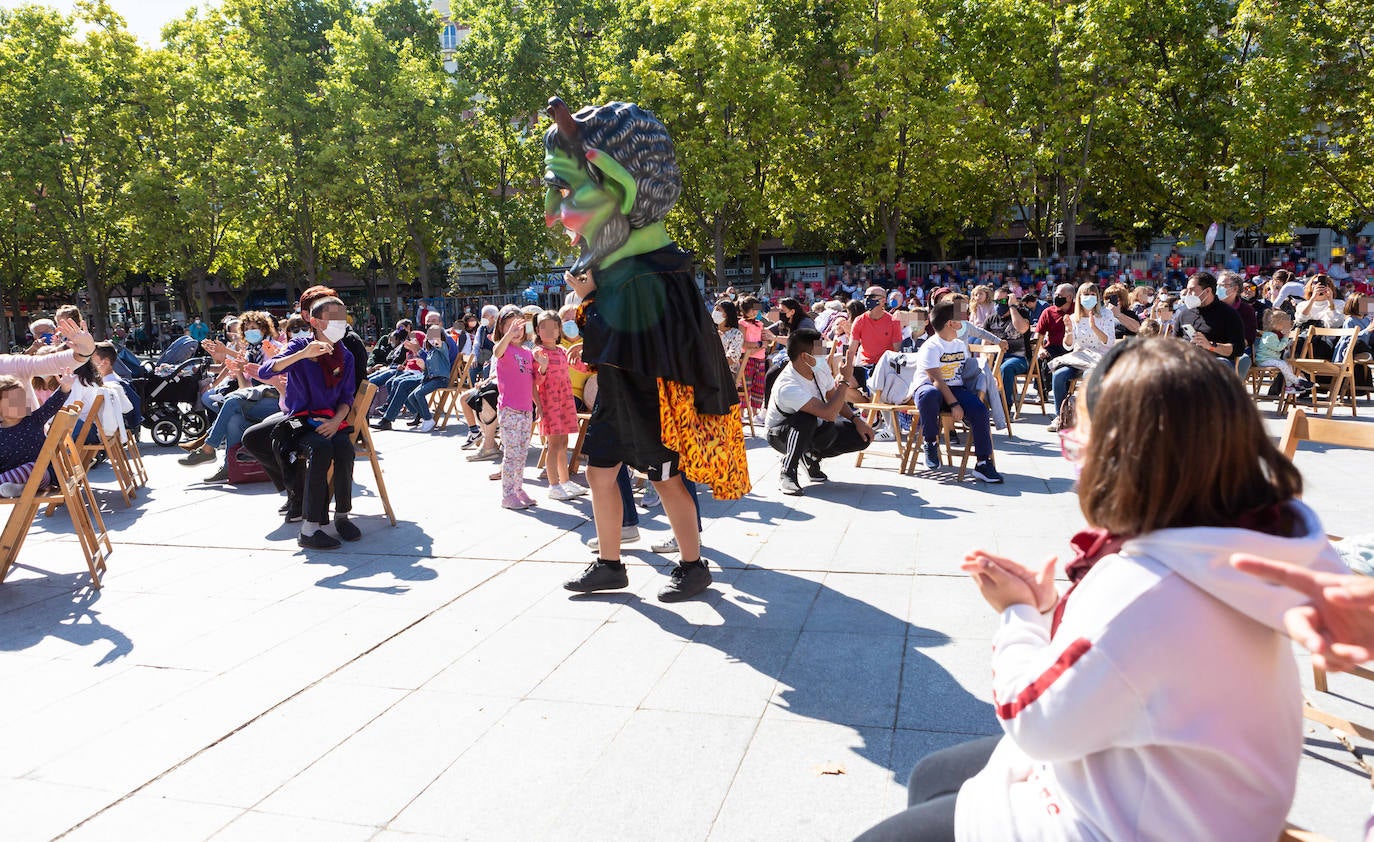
x=872, y=334
x=1207, y=321
x=808, y=418
x=940, y=387
x=1051, y=322
x=1010, y=324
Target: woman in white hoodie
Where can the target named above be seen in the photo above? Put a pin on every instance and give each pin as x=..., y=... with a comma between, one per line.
x=1157, y=699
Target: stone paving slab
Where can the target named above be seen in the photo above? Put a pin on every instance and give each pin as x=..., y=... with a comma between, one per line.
x=434, y=681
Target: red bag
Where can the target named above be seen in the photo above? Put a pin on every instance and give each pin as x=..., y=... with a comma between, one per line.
x=244, y=467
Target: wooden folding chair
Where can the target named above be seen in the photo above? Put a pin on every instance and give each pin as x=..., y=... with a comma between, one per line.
x=1341, y=372
x=991, y=357
x=113, y=447
x=362, y=441
x=66, y=462
x=575, y=460
x=133, y=457
x=877, y=407
x=443, y=402
x=1024, y=381
x=742, y=389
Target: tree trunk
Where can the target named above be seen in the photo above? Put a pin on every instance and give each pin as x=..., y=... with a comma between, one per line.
x=199, y=291
x=417, y=245
x=891, y=220
x=499, y=261
x=99, y=302
x=718, y=247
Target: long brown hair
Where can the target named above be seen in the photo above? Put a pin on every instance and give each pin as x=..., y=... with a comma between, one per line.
x=1220, y=463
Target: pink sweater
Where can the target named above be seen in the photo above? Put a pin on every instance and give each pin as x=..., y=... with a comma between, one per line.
x=25, y=368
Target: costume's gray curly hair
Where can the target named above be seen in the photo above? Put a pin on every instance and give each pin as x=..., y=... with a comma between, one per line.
x=640, y=143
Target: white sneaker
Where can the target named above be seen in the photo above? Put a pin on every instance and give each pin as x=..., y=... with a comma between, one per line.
x=572, y=489
x=665, y=547
x=627, y=534
x=883, y=435
x=426, y=425
x=11, y=489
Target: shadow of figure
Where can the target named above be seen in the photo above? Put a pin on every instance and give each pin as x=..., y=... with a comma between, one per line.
x=836, y=659
x=67, y=614
x=411, y=545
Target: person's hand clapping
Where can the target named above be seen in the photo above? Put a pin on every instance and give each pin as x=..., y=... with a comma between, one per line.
x=66, y=379
x=252, y=370
x=76, y=336
x=1000, y=588
x=316, y=348
x=1337, y=625
x=1041, y=582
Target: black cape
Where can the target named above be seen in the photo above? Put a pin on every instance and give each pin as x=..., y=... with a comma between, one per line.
x=646, y=316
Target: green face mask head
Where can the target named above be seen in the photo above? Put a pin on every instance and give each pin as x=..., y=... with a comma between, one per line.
x=588, y=211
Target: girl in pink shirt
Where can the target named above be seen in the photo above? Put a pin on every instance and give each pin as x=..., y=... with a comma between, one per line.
x=515, y=406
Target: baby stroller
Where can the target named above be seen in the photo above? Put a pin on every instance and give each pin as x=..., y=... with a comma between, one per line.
x=170, y=391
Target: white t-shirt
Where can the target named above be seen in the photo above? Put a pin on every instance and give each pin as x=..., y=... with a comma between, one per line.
x=791, y=392
x=948, y=355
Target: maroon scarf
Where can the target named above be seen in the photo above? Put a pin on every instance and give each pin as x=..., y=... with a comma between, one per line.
x=332, y=365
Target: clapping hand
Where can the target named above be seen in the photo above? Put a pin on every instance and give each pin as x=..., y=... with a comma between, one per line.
x=1041, y=582
x=216, y=349
x=66, y=379
x=316, y=348
x=1001, y=588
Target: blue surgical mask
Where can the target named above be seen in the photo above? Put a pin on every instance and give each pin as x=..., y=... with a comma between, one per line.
x=570, y=329
x=253, y=335
x=1089, y=301
x=963, y=330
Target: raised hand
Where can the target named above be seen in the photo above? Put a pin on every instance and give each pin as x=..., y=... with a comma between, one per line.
x=316, y=348
x=1000, y=588
x=76, y=336
x=1337, y=625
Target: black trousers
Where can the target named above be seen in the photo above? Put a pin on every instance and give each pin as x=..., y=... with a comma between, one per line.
x=320, y=453
x=258, y=441
x=931, y=792
x=803, y=434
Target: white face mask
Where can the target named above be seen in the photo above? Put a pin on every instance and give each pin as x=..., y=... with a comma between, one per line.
x=718, y=317
x=336, y=330
x=822, y=362
x=1192, y=302
x=1089, y=301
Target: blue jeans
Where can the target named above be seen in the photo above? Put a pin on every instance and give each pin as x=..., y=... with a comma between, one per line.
x=1012, y=366
x=236, y=414
x=929, y=403
x=1060, y=384
x=629, y=516
x=401, y=387
x=418, y=401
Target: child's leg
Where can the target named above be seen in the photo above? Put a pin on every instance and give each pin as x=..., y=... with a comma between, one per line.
x=19, y=475
x=556, y=459
x=515, y=442
x=1290, y=378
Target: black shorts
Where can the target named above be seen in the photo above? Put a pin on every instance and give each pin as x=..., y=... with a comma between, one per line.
x=624, y=427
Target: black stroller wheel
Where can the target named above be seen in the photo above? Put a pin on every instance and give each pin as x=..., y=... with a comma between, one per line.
x=166, y=432
x=193, y=424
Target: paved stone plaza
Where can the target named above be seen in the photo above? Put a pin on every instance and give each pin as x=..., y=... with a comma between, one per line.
x=434, y=680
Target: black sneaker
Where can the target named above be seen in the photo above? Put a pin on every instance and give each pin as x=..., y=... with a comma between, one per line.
x=789, y=485
x=383, y=424
x=600, y=576
x=987, y=472
x=320, y=540
x=294, y=512
x=813, y=469
x=932, y=455
x=686, y=581
x=222, y=475
x=347, y=530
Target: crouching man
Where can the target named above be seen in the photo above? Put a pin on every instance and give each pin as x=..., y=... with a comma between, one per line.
x=808, y=418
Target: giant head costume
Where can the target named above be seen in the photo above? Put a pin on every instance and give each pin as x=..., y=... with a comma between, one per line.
x=609, y=169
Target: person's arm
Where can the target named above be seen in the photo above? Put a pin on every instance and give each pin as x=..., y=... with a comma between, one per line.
x=1126, y=318
x=283, y=361
x=1069, y=327
x=1019, y=322
x=517, y=329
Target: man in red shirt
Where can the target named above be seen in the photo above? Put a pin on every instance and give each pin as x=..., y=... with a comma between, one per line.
x=1051, y=322
x=872, y=334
